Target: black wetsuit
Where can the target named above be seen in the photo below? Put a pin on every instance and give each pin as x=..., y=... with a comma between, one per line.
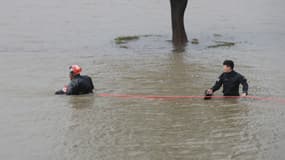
x=79, y=85
x=231, y=82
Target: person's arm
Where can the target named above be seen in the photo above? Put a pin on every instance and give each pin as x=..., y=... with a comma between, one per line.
x=72, y=89
x=218, y=84
x=61, y=91
x=91, y=83
x=244, y=84
x=216, y=87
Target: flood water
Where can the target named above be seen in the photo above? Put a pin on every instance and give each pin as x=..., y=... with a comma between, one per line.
x=39, y=39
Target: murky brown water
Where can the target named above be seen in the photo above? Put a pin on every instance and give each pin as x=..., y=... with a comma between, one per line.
x=39, y=39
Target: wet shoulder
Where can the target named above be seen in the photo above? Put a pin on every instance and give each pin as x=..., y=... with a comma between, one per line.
x=85, y=77
x=77, y=79
x=222, y=76
x=239, y=76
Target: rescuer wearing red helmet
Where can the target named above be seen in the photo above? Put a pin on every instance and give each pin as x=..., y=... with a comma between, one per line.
x=79, y=84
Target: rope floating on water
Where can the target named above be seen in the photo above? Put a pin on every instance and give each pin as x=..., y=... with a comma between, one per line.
x=128, y=96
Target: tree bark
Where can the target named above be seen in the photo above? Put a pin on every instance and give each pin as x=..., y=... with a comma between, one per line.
x=178, y=7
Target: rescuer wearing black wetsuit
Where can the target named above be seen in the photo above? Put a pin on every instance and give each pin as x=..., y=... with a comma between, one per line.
x=230, y=80
x=79, y=84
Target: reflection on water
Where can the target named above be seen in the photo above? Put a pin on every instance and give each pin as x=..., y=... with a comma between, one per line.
x=82, y=101
x=39, y=39
x=142, y=129
x=179, y=48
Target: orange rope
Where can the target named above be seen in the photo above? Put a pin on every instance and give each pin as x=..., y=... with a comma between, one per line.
x=279, y=100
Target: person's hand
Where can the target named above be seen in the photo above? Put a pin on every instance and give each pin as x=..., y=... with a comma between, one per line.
x=210, y=91
x=243, y=94
x=64, y=89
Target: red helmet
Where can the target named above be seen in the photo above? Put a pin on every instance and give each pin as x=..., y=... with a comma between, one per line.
x=75, y=69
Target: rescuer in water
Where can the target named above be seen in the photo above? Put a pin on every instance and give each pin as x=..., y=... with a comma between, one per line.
x=230, y=80
x=79, y=84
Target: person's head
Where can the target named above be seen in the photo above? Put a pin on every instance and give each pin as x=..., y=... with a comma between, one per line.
x=228, y=66
x=74, y=70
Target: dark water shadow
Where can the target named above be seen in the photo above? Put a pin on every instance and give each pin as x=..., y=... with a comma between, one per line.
x=179, y=48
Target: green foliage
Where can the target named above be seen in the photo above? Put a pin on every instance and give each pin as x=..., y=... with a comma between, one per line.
x=125, y=39
x=222, y=44
x=195, y=41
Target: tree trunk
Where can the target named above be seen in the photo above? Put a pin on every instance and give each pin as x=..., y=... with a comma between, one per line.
x=178, y=7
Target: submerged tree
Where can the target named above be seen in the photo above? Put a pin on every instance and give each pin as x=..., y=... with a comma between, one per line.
x=178, y=7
